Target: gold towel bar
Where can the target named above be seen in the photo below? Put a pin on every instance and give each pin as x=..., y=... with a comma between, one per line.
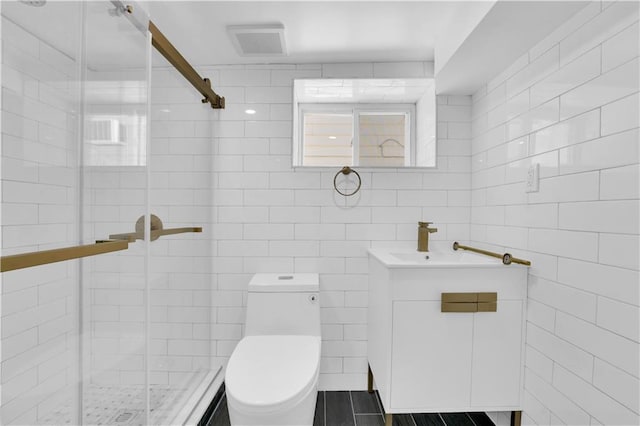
x=27, y=260
x=507, y=259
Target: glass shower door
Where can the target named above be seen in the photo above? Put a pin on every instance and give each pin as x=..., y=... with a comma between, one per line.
x=115, y=186
x=39, y=174
x=119, y=338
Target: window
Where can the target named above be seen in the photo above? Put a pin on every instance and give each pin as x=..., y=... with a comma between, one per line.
x=366, y=123
x=356, y=135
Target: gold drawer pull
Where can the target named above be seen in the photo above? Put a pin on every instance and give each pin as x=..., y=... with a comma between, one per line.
x=487, y=297
x=487, y=306
x=469, y=302
x=459, y=297
x=458, y=307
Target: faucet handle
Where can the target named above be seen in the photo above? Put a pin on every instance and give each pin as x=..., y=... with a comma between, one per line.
x=424, y=224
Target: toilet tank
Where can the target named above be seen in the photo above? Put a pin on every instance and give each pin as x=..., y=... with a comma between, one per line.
x=283, y=304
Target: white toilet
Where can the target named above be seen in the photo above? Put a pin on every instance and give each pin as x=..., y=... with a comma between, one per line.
x=272, y=375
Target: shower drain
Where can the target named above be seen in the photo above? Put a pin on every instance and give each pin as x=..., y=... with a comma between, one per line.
x=125, y=416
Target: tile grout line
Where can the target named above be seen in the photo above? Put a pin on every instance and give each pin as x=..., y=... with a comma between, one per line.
x=353, y=411
x=470, y=418
x=379, y=413
x=442, y=419
x=379, y=403
x=217, y=407
x=412, y=419
x=324, y=406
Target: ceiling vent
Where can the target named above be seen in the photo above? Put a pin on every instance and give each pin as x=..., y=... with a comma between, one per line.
x=258, y=40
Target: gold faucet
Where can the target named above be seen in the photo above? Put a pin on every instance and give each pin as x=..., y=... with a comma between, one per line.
x=423, y=235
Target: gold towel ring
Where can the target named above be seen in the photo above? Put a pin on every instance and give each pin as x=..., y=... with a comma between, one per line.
x=345, y=171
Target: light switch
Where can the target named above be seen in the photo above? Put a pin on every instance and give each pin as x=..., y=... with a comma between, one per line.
x=533, y=178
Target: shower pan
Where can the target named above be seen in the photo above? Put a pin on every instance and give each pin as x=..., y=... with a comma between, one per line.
x=118, y=338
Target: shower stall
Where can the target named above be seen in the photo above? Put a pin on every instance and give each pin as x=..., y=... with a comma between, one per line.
x=120, y=333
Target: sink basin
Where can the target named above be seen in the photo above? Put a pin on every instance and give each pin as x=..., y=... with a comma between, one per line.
x=427, y=258
x=394, y=258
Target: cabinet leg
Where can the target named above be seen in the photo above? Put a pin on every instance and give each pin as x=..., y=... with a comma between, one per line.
x=388, y=419
x=516, y=418
x=370, y=380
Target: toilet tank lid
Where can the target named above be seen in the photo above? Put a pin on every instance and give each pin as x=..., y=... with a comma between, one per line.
x=265, y=283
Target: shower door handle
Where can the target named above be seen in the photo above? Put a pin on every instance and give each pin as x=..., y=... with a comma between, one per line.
x=155, y=234
x=157, y=230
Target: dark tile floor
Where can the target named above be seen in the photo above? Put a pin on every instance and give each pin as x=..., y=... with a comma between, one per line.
x=360, y=408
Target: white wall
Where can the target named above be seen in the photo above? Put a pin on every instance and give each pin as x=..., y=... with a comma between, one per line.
x=39, y=184
x=570, y=104
x=271, y=217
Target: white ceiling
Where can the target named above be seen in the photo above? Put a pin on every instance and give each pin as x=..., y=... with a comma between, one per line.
x=460, y=36
x=315, y=31
x=480, y=37
x=504, y=34
x=56, y=23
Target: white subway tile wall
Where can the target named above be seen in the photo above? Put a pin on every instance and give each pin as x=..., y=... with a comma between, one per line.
x=39, y=311
x=270, y=217
x=572, y=107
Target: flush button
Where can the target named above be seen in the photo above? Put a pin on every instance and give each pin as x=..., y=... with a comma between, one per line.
x=285, y=277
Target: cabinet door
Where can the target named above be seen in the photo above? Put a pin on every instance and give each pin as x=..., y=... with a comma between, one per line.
x=431, y=356
x=497, y=346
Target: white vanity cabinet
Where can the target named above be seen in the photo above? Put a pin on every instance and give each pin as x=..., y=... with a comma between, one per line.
x=427, y=360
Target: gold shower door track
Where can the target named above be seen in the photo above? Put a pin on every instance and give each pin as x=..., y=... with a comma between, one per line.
x=203, y=85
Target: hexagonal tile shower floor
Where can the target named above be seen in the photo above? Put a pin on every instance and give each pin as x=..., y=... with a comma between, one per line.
x=121, y=405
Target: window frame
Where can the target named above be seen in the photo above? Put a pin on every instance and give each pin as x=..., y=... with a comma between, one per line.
x=356, y=109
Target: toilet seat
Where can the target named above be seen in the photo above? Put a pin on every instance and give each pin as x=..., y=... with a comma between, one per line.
x=272, y=373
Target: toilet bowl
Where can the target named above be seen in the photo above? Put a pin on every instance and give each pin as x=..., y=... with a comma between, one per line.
x=272, y=375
